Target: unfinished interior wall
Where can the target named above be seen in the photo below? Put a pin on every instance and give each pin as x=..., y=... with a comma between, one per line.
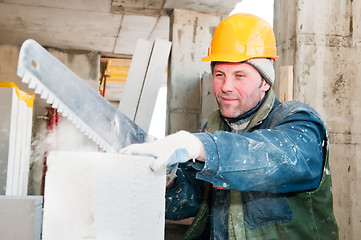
x=191, y=34
x=9, y=55
x=322, y=40
x=85, y=65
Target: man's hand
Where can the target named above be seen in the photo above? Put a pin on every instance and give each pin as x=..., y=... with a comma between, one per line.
x=175, y=148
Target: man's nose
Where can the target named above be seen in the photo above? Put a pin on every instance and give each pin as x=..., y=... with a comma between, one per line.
x=228, y=85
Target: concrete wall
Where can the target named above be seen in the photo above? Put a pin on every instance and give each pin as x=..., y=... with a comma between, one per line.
x=64, y=136
x=8, y=64
x=191, y=34
x=322, y=40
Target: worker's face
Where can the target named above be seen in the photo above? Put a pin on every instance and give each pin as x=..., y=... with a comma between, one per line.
x=238, y=88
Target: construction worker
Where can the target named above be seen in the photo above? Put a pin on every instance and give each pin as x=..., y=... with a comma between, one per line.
x=259, y=169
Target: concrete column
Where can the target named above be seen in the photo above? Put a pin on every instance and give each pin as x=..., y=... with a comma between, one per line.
x=191, y=34
x=322, y=40
x=9, y=55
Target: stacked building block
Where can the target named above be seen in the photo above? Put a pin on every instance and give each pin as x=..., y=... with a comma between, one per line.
x=16, y=109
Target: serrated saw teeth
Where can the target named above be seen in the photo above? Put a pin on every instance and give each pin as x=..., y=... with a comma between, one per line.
x=60, y=108
x=65, y=112
x=44, y=94
x=51, y=79
x=50, y=99
x=55, y=103
x=38, y=90
x=25, y=78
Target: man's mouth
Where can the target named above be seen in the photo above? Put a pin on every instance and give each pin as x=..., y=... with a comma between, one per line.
x=227, y=98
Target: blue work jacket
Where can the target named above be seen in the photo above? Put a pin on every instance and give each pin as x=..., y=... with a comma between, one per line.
x=282, y=153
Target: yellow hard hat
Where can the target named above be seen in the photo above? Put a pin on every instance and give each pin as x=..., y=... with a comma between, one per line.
x=240, y=37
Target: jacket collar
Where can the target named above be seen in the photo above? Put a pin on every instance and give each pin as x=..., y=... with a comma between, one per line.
x=253, y=117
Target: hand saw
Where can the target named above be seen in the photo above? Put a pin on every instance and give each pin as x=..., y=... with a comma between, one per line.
x=95, y=116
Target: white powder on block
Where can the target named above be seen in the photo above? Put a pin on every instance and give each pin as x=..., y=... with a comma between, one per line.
x=92, y=195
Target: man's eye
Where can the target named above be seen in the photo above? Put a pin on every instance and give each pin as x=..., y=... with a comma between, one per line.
x=219, y=75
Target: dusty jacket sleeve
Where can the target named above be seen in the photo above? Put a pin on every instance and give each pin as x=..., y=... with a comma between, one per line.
x=182, y=201
x=286, y=156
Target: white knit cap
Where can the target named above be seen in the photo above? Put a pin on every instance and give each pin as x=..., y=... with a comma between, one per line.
x=265, y=67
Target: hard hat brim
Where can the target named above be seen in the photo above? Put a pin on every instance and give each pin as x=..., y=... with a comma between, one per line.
x=233, y=58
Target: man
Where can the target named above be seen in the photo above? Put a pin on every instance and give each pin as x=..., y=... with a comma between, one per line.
x=262, y=168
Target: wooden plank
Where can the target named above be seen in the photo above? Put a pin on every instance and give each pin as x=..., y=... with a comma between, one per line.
x=135, y=78
x=156, y=73
x=8, y=109
x=11, y=180
x=27, y=150
x=93, y=195
x=286, y=83
x=20, y=124
x=15, y=140
x=25, y=141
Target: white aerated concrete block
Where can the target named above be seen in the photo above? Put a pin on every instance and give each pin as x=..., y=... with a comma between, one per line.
x=93, y=195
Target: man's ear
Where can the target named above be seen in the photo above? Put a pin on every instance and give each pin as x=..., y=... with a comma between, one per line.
x=265, y=86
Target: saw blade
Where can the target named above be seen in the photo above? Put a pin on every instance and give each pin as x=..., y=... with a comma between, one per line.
x=95, y=116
